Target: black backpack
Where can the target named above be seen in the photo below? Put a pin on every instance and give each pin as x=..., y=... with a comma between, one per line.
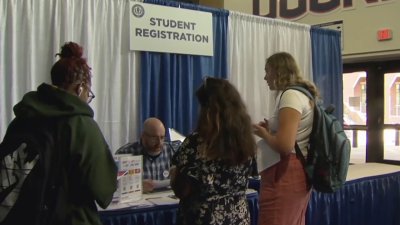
x=329, y=149
x=38, y=187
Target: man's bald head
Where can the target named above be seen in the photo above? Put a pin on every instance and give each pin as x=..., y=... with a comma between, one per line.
x=152, y=125
x=153, y=135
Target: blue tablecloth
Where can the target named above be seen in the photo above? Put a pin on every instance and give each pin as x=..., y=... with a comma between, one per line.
x=372, y=200
x=161, y=215
x=366, y=201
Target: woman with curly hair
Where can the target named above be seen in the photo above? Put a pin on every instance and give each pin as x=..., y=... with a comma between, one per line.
x=68, y=165
x=213, y=163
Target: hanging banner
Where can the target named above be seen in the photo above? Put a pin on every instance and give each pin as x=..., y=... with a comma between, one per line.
x=168, y=29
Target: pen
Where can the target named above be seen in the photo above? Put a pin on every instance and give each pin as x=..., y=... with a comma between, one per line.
x=266, y=124
x=153, y=198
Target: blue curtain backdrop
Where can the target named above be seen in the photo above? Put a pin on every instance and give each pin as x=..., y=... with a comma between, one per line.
x=327, y=67
x=168, y=81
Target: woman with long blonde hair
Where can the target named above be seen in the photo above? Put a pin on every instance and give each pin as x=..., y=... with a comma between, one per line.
x=284, y=190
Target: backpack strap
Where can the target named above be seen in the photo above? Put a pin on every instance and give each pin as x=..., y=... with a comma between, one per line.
x=303, y=90
x=5, y=192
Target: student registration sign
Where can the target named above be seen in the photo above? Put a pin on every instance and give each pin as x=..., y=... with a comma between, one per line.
x=168, y=29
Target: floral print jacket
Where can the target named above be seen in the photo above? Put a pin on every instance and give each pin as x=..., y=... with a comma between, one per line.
x=219, y=196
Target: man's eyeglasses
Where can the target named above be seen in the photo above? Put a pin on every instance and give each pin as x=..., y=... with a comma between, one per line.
x=154, y=137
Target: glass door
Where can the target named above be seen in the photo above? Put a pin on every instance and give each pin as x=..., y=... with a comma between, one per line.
x=354, y=113
x=392, y=116
x=371, y=110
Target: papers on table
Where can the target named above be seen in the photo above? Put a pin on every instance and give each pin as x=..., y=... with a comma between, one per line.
x=152, y=199
x=250, y=191
x=266, y=156
x=161, y=198
x=161, y=183
x=142, y=203
x=175, y=135
x=147, y=200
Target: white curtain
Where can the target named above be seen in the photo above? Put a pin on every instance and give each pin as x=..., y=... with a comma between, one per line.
x=252, y=39
x=32, y=32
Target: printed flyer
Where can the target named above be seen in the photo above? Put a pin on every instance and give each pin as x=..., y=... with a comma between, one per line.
x=129, y=178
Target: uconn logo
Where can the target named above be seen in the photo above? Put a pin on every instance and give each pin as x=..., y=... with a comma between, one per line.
x=137, y=10
x=295, y=9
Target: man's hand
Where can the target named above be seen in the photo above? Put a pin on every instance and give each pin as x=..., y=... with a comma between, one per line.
x=148, y=185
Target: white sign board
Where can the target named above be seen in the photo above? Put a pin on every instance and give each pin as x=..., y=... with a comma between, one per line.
x=130, y=170
x=168, y=29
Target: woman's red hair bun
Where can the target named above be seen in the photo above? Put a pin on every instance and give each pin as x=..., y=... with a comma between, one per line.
x=71, y=49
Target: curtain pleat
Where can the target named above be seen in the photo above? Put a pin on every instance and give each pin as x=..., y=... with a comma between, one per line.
x=327, y=67
x=251, y=40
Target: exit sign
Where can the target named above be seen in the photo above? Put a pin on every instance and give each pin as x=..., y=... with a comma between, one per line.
x=384, y=34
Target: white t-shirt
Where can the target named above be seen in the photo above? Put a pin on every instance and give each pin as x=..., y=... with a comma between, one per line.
x=296, y=100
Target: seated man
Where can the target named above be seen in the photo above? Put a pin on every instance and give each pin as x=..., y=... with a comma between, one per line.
x=156, y=152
